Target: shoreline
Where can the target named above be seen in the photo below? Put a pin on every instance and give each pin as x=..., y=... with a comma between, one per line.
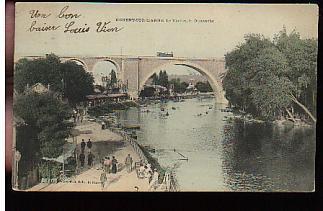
x=247, y=118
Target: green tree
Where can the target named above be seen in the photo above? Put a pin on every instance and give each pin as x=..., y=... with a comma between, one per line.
x=44, y=130
x=68, y=78
x=47, y=119
x=155, y=79
x=77, y=82
x=203, y=86
x=163, y=79
x=266, y=78
x=113, y=77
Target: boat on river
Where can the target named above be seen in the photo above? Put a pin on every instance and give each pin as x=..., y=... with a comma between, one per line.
x=132, y=126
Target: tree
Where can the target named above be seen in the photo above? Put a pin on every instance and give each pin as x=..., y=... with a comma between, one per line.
x=155, y=79
x=203, y=86
x=266, y=78
x=113, y=77
x=148, y=92
x=162, y=79
x=42, y=70
x=44, y=130
x=68, y=78
x=48, y=118
x=77, y=82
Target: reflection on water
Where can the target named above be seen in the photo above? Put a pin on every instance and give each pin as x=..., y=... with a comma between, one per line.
x=222, y=155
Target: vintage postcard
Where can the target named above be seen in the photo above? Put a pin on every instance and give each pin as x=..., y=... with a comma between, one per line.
x=165, y=97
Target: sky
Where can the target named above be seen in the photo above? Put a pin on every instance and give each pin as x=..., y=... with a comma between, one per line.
x=227, y=24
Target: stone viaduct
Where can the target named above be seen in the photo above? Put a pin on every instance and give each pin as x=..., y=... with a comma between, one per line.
x=136, y=70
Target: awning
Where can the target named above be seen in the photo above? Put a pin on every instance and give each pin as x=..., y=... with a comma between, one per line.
x=68, y=150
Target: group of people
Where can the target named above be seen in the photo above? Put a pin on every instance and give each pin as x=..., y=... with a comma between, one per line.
x=90, y=156
x=78, y=116
x=109, y=165
x=150, y=175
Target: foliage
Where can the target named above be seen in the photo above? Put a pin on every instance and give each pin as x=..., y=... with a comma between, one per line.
x=68, y=78
x=203, y=86
x=113, y=76
x=267, y=77
x=161, y=79
x=179, y=87
x=147, y=92
x=109, y=107
x=46, y=117
x=49, y=169
x=77, y=82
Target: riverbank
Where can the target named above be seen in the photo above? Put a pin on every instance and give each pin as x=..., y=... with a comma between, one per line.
x=247, y=118
x=105, y=143
x=110, y=107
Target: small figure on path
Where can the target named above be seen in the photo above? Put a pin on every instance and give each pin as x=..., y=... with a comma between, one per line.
x=154, y=182
x=103, y=125
x=90, y=158
x=107, y=165
x=89, y=145
x=83, y=146
x=128, y=163
x=114, y=165
x=103, y=179
x=141, y=171
x=82, y=159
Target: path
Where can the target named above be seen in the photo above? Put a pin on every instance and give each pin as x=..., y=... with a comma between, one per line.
x=105, y=143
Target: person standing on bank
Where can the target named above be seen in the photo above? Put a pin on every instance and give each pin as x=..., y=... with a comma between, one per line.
x=114, y=165
x=83, y=146
x=103, y=179
x=89, y=145
x=90, y=158
x=154, y=182
x=82, y=159
x=103, y=125
x=107, y=165
x=128, y=163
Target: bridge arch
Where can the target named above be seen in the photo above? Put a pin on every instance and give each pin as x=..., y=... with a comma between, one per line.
x=79, y=61
x=217, y=88
x=104, y=67
x=118, y=69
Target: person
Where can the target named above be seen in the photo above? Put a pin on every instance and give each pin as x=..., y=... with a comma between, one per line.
x=103, y=125
x=74, y=115
x=82, y=159
x=107, y=165
x=128, y=163
x=82, y=146
x=89, y=145
x=90, y=158
x=102, y=164
x=141, y=171
x=103, y=179
x=114, y=165
x=153, y=183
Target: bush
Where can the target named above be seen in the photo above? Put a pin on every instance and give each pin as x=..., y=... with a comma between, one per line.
x=49, y=169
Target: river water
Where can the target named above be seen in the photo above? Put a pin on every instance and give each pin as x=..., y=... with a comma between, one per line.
x=224, y=155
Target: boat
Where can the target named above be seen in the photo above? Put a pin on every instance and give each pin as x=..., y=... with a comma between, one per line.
x=132, y=126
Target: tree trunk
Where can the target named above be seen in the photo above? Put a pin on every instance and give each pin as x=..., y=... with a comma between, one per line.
x=290, y=114
x=303, y=107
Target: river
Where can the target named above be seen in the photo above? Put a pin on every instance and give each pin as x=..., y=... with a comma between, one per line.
x=224, y=155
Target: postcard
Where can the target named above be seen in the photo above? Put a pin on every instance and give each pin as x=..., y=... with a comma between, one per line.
x=165, y=97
